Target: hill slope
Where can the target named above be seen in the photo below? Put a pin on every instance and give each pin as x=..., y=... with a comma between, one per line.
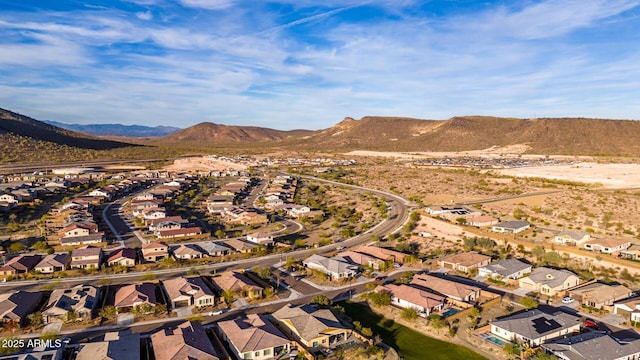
x=570, y=136
x=23, y=139
x=206, y=132
x=117, y=129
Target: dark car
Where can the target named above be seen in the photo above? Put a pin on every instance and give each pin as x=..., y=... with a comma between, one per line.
x=381, y=277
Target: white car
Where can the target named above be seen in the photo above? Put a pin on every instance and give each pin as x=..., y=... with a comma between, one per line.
x=217, y=312
x=567, y=300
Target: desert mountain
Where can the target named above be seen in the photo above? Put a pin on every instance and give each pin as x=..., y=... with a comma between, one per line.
x=206, y=133
x=23, y=126
x=117, y=129
x=571, y=136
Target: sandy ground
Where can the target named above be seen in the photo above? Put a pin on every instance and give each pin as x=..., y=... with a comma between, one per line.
x=439, y=228
x=202, y=164
x=613, y=176
x=493, y=151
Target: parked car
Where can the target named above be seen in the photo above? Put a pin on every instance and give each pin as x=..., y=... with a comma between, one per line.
x=381, y=277
x=567, y=300
x=591, y=324
x=217, y=312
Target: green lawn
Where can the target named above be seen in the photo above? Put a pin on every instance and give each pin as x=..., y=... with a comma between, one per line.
x=409, y=343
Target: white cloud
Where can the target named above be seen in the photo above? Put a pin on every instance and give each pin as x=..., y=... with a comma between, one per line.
x=147, y=15
x=208, y=4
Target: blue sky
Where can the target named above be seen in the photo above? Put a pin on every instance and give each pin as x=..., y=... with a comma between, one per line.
x=307, y=64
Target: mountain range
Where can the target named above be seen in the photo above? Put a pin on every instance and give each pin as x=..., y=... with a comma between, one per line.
x=567, y=136
x=117, y=129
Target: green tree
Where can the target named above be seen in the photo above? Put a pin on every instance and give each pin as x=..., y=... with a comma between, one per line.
x=529, y=303
x=70, y=316
x=367, y=332
x=380, y=298
x=40, y=245
x=228, y=296
x=16, y=247
x=409, y=314
x=262, y=271
x=321, y=300
x=108, y=312
x=508, y=349
x=36, y=319
x=220, y=234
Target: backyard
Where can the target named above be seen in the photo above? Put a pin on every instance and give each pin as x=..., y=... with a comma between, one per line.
x=409, y=343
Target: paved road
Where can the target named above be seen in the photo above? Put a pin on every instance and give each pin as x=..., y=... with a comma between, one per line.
x=398, y=216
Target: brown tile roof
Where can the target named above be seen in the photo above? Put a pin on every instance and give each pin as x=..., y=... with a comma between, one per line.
x=124, y=253
x=443, y=286
x=154, y=245
x=235, y=281
x=467, y=259
x=181, y=286
x=252, y=333
x=21, y=263
x=135, y=294
x=16, y=305
x=185, y=342
x=413, y=295
x=608, y=242
x=86, y=251
x=308, y=321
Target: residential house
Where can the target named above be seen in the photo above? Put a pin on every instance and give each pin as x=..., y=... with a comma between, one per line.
x=189, y=291
x=217, y=203
x=130, y=296
x=261, y=238
x=88, y=257
x=154, y=251
x=607, y=245
x=187, y=252
x=510, y=227
x=238, y=283
x=153, y=213
x=80, y=300
x=506, y=269
x=465, y=262
x=165, y=225
x=363, y=259
x=178, y=233
x=123, y=345
x=534, y=327
x=312, y=326
x=481, y=221
x=234, y=215
x=572, y=238
x=335, y=268
x=632, y=252
x=549, y=281
x=83, y=228
x=240, y=245
x=254, y=337
x=407, y=297
x=185, y=341
x=159, y=224
x=451, y=289
x=214, y=249
x=93, y=238
x=52, y=263
x=599, y=295
x=383, y=254
x=20, y=264
x=628, y=308
x=9, y=198
x=15, y=306
x=593, y=345
x=123, y=257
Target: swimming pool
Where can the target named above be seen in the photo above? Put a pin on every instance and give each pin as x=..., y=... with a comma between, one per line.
x=496, y=340
x=449, y=312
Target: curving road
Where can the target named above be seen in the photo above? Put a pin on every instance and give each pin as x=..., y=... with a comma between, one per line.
x=398, y=216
